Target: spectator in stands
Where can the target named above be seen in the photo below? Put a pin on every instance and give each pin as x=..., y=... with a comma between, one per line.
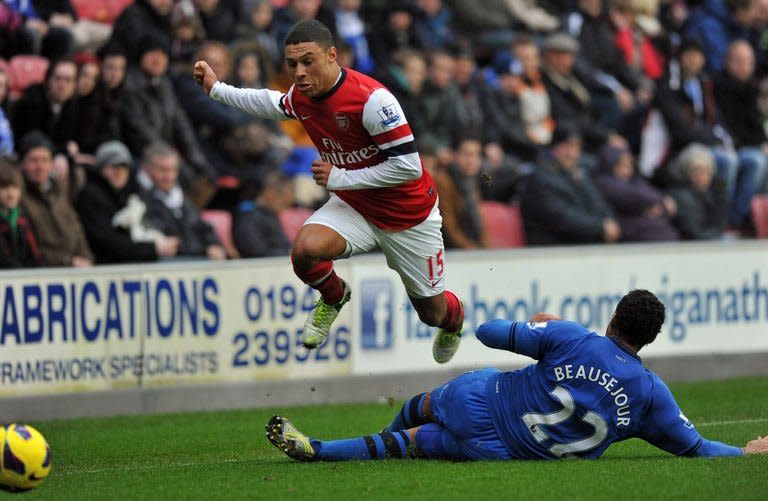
x=644, y=214
x=702, y=212
x=717, y=23
x=253, y=69
x=169, y=211
x=440, y=104
x=51, y=106
x=736, y=96
x=686, y=101
x=220, y=18
x=560, y=204
x=100, y=115
x=85, y=34
x=139, y=20
x=601, y=42
x=352, y=30
x=18, y=244
x=111, y=189
x=258, y=28
x=152, y=112
x=405, y=76
x=188, y=34
x=472, y=89
x=578, y=102
x=43, y=33
x=256, y=228
x=519, y=119
x=7, y=146
x=532, y=16
x=87, y=73
x=459, y=188
x=61, y=236
x=396, y=33
x=15, y=36
x=299, y=10
x=488, y=26
x=433, y=25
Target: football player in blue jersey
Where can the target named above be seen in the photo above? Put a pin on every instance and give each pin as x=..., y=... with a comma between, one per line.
x=585, y=392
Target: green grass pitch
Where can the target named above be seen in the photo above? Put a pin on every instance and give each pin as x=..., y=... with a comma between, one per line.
x=224, y=455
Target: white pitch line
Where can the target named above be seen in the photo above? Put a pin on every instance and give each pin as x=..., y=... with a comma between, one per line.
x=155, y=467
x=733, y=421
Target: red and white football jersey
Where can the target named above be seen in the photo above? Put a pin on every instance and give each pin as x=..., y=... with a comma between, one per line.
x=360, y=128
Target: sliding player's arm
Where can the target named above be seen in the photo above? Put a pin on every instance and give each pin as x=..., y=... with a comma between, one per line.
x=666, y=427
x=540, y=335
x=385, y=121
x=263, y=103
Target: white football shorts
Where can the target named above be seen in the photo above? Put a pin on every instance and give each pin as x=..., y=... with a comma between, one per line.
x=416, y=254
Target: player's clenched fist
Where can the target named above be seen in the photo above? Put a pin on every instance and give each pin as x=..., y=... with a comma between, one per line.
x=204, y=76
x=320, y=172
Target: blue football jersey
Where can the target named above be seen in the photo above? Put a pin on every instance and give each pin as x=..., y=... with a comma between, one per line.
x=586, y=392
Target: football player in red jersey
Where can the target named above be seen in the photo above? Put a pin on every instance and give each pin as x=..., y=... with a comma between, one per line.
x=380, y=194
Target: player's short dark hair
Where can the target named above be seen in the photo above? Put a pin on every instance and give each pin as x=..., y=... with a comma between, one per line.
x=310, y=30
x=638, y=318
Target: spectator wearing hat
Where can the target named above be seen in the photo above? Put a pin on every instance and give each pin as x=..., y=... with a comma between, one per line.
x=153, y=113
x=110, y=189
x=18, y=244
x=168, y=210
x=560, y=204
x=644, y=213
x=578, y=101
x=256, y=228
x=140, y=19
x=61, y=236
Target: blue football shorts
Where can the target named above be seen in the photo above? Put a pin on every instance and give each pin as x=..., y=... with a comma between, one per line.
x=464, y=425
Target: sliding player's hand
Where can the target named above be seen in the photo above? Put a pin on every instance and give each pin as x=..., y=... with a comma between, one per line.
x=204, y=76
x=320, y=172
x=758, y=446
x=543, y=317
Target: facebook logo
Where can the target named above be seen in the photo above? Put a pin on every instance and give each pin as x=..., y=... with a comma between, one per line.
x=377, y=313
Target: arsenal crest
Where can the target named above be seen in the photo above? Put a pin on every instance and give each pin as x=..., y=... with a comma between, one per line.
x=342, y=121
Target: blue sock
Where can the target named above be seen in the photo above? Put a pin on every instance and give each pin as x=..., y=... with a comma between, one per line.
x=384, y=445
x=410, y=414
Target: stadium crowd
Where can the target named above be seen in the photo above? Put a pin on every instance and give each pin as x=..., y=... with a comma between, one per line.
x=596, y=121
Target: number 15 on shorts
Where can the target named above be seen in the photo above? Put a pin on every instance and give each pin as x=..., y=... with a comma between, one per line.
x=436, y=267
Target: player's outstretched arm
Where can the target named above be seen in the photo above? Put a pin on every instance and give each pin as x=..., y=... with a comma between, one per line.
x=263, y=103
x=204, y=76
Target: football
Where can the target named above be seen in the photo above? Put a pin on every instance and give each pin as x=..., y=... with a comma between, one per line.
x=25, y=460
